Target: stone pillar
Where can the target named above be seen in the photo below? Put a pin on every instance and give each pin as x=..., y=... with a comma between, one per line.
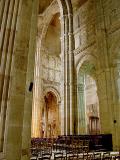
x=9, y=15
x=115, y=71
x=65, y=115
x=38, y=99
x=69, y=70
x=108, y=91
x=72, y=75
x=59, y=116
x=26, y=132
x=46, y=117
x=67, y=76
x=2, y=5
x=17, y=90
x=82, y=128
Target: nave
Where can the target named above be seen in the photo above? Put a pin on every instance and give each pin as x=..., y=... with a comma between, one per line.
x=59, y=75
x=73, y=148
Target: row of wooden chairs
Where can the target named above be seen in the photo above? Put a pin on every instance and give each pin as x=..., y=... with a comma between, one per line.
x=42, y=143
x=76, y=145
x=75, y=156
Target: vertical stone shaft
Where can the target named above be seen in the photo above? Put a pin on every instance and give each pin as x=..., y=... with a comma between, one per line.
x=4, y=48
x=67, y=79
x=3, y=26
x=81, y=105
x=2, y=5
x=69, y=86
x=106, y=80
x=71, y=69
x=109, y=104
x=7, y=69
x=46, y=118
x=26, y=131
x=63, y=84
x=17, y=89
x=35, y=94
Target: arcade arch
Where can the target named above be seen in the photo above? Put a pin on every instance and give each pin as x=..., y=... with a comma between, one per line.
x=87, y=98
x=50, y=116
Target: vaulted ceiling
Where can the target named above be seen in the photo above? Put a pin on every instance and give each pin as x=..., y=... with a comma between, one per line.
x=45, y=3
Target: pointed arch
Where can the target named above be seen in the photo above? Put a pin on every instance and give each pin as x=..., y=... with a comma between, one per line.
x=54, y=91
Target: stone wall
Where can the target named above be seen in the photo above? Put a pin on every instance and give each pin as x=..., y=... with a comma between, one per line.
x=51, y=71
x=84, y=25
x=96, y=32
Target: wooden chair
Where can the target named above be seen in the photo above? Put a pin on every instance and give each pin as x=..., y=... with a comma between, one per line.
x=59, y=155
x=106, y=156
x=34, y=153
x=45, y=156
x=86, y=146
x=116, y=157
x=88, y=156
x=60, y=158
x=80, y=146
x=71, y=154
x=72, y=157
x=33, y=158
x=97, y=156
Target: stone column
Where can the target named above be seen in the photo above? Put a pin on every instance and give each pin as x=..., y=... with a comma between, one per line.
x=69, y=72
x=59, y=116
x=108, y=92
x=38, y=99
x=104, y=101
x=7, y=45
x=26, y=132
x=81, y=105
x=17, y=90
x=46, y=117
x=2, y=5
x=65, y=113
x=72, y=75
x=115, y=71
x=67, y=76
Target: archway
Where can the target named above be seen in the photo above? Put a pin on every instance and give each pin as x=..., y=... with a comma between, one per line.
x=47, y=66
x=92, y=106
x=87, y=100
x=50, y=117
x=50, y=53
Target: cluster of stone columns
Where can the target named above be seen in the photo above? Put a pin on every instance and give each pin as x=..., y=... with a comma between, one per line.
x=68, y=79
x=18, y=25
x=9, y=11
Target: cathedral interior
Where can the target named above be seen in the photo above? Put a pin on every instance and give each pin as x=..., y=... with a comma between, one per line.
x=59, y=79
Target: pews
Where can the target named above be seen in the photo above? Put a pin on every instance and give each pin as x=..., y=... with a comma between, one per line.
x=101, y=142
x=72, y=146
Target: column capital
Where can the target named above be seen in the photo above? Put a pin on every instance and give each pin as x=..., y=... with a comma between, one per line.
x=63, y=36
x=70, y=14
x=80, y=87
x=63, y=16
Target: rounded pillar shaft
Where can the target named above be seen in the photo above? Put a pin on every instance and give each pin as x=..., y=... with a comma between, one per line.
x=109, y=104
x=15, y=108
